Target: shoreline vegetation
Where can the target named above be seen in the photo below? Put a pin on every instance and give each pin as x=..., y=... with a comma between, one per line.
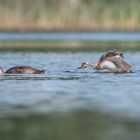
x=71, y=46
x=70, y=15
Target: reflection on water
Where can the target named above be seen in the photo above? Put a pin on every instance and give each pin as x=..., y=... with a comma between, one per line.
x=79, y=125
x=67, y=103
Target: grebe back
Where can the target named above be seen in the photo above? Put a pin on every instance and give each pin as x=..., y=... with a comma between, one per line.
x=22, y=70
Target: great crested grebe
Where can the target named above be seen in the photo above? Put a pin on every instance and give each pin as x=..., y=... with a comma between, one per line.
x=112, y=61
x=22, y=70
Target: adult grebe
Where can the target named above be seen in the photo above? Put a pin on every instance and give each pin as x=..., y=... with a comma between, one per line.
x=22, y=70
x=112, y=61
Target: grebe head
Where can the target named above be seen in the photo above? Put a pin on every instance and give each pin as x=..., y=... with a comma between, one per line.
x=83, y=65
x=86, y=64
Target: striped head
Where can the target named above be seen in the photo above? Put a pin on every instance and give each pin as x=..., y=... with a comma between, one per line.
x=83, y=65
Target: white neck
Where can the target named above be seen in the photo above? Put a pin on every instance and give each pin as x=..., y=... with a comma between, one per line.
x=90, y=64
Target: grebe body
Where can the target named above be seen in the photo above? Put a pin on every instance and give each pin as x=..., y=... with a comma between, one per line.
x=113, y=64
x=22, y=70
x=112, y=61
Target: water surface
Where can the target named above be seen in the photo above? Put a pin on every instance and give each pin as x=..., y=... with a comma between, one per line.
x=71, y=36
x=67, y=103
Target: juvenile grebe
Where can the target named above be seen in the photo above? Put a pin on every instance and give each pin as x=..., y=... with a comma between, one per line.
x=22, y=70
x=112, y=61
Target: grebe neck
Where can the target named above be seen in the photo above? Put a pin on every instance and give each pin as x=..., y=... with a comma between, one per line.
x=90, y=64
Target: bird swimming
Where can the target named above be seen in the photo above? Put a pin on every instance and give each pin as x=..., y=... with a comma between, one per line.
x=22, y=70
x=112, y=61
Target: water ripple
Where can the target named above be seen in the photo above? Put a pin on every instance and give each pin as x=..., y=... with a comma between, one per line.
x=64, y=87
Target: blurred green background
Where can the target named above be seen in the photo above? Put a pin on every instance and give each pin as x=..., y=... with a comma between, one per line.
x=78, y=125
x=69, y=15
x=36, y=15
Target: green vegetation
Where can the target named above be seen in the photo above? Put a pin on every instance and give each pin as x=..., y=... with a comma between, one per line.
x=80, y=125
x=37, y=15
x=68, y=46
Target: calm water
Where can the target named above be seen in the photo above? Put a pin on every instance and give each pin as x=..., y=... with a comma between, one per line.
x=80, y=36
x=67, y=103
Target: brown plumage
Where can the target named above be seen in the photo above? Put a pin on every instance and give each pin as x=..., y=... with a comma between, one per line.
x=112, y=61
x=112, y=53
x=120, y=65
x=24, y=70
